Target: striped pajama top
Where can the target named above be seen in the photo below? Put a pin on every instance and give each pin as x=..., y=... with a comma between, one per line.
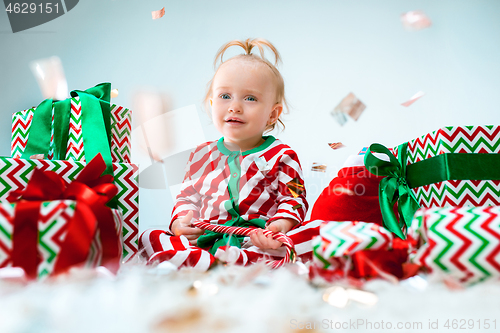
x=260, y=174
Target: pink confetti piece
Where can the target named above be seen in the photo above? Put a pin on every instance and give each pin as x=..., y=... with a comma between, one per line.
x=413, y=99
x=415, y=20
x=336, y=145
x=350, y=106
x=158, y=13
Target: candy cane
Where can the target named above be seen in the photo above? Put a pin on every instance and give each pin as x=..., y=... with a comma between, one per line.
x=287, y=242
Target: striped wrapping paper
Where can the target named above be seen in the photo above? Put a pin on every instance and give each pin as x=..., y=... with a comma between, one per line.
x=15, y=174
x=463, y=242
x=52, y=230
x=121, y=128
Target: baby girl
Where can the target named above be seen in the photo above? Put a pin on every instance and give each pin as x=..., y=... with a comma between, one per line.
x=245, y=178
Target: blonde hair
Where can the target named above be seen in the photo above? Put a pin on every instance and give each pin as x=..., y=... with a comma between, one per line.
x=248, y=45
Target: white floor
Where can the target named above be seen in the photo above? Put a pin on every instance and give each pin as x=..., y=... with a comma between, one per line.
x=237, y=299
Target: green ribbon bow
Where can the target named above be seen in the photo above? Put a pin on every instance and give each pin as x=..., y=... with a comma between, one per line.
x=214, y=240
x=393, y=188
x=96, y=126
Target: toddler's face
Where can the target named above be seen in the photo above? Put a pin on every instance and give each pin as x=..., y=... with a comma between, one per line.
x=244, y=102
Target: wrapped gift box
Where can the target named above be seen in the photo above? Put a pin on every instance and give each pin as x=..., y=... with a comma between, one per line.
x=121, y=127
x=463, y=140
x=15, y=173
x=52, y=224
x=453, y=166
x=463, y=242
x=359, y=250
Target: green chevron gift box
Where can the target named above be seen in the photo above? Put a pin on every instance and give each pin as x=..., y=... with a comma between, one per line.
x=453, y=166
x=463, y=242
x=120, y=127
x=15, y=173
x=52, y=244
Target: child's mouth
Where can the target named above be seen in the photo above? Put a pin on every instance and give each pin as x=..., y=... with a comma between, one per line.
x=234, y=122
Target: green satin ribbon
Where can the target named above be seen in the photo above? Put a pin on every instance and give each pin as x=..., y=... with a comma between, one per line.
x=96, y=126
x=214, y=240
x=401, y=178
x=393, y=188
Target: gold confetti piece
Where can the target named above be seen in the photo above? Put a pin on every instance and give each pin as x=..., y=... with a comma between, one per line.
x=158, y=13
x=415, y=20
x=350, y=106
x=295, y=187
x=114, y=93
x=318, y=167
x=296, y=206
x=184, y=321
x=336, y=145
x=413, y=99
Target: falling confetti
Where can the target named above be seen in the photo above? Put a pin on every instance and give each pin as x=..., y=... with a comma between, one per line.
x=50, y=76
x=415, y=20
x=339, y=297
x=342, y=190
x=340, y=117
x=114, y=93
x=350, y=106
x=296, y=206
x=295, y=187
x=318, y=167
x=262, y=164
x=158, y=13
x=413, y=99
x=336, y=145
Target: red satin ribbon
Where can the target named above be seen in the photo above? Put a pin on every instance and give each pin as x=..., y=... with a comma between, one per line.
x=388, y=261
x=91, y=192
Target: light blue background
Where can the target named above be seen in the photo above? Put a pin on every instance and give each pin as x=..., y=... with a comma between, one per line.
x=329, y=48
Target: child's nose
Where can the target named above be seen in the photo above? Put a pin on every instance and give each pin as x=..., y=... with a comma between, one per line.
x=235, y=106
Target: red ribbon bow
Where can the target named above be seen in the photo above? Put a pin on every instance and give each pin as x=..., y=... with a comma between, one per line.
x=91, y=193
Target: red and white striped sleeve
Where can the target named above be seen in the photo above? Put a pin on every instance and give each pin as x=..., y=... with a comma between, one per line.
x=290, y=207
x=188, y=198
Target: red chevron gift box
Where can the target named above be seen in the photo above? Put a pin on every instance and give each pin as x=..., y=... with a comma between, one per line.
x=463, y=242
x=15, y=173
x=120, y=127
x=51, y=226
x=358, y=250
x=453, y=166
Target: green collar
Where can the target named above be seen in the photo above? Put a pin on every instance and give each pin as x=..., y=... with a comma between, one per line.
x=223, y=149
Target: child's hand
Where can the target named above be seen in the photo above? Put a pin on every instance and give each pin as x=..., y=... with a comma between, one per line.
x=282, y=225
x=182, y=226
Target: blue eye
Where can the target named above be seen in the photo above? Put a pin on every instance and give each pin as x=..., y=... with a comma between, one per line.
x=251, y=99
x=224, y=96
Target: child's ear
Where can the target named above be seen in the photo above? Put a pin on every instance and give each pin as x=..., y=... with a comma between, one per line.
x=276, y=113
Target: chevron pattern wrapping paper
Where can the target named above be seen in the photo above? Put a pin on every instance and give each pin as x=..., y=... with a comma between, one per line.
x=15, y=174
x=340, y=239
x=456, y=139
x=121, y=128
x=461, y=241
x=52, y=229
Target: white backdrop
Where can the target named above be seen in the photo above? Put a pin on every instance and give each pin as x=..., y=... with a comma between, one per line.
x=329, y=48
